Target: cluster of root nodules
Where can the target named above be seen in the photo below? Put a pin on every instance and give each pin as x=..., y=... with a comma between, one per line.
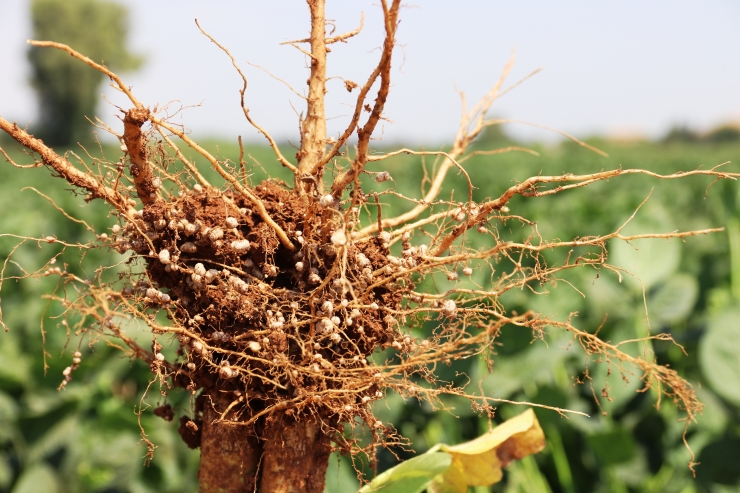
x=258, y=321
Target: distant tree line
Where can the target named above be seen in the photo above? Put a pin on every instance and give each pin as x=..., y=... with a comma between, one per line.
x=721, y=134
x=67, y=90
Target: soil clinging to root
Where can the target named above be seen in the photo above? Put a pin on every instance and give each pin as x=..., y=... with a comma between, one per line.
x=262, y=325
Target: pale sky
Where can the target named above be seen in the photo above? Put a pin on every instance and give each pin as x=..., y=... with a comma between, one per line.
x=616, y=67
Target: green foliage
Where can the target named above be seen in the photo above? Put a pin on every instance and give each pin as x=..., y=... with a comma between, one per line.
x=681, y=133
x=725, y=133
x=452, y=469
x=691, y=290
x=720, y=135
x=495, y=136
x=411, y=476
x=67, y=89
x=86, y=437
x=719, y=356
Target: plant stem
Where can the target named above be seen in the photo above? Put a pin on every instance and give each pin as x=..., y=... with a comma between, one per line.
x=229, y=456
x=296, y=455
x=313, y=126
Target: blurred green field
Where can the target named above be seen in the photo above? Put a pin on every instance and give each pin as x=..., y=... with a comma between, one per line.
x=86, y=438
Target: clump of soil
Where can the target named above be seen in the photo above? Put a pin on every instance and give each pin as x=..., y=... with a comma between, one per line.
x=261, y=324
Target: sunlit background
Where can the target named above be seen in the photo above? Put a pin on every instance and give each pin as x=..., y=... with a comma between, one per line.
x=654, y=84
x=619, y=68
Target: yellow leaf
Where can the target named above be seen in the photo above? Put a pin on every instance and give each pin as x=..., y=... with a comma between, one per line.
x=479, y=462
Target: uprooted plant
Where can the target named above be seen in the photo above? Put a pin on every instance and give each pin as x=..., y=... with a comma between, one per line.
x=280, y=295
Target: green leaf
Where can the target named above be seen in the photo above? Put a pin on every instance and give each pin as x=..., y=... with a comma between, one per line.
x=479, y=462
x=714, y=417
x=719, y=355
x=649, y=260
x=674, y=300
x=6, y=472
x=340, y=476
x=613, y=447
x=58, y=436
x=411, y=476
x=15, y=365
x=533, y=365
x=36, y=479
x=526, y=476
x=8, y=410
x=389, y=410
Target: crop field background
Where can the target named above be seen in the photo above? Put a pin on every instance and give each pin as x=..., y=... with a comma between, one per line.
x=86, y=437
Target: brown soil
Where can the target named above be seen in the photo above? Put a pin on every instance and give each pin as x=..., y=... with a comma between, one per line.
x=262, y=327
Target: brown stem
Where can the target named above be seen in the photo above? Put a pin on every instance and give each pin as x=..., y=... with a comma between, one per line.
x=364, y=133
x=135, y=142
x=229, y=456
x=334, y=39
x=63, y=167
x=313, y=126
x=296, y=455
